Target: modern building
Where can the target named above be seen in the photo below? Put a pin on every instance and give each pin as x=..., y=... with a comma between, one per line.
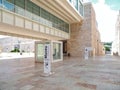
x=116, y=42
x=46, y=20
x=85, y=35
x=53, y=22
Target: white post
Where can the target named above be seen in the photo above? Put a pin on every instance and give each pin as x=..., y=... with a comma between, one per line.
x=86, y=53
x=47, y=62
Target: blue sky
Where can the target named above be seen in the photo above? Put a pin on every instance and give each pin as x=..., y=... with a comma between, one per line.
x=113, y=4
x=106, y=15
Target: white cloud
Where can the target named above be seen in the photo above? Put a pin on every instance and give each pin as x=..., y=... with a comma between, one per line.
x=106, y=19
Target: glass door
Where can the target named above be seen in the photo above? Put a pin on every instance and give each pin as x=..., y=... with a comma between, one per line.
x=57, y=51
x=39, y=52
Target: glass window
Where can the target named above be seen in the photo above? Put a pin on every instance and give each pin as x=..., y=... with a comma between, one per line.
x=56, y=51
x=36, y=13
x=59, y=24
x=20, y=3
x=70, y=0
x=55, y=22
x=0, y=1
x=80, y=8
x=11, y=1
x=8, y=5
x=40, y=51
x=75, y=3
x=51, y=18
x=66, y=27
x=45, y=14
x=28, y=6
x=19, y=7
x=36, y=10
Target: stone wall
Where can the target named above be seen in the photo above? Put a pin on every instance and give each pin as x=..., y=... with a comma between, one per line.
x=85, y=34
x=78, y=41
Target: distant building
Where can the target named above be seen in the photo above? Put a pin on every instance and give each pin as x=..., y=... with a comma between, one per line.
x=10, y=43
x=116, y=42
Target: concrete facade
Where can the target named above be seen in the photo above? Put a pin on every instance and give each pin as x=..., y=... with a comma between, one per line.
x=85, y=34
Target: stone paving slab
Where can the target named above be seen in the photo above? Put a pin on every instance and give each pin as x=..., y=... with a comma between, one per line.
x=74, y=73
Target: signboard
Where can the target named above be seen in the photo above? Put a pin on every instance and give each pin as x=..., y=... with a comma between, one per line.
x=47, y=62
x=86, y=53
x=89, y=48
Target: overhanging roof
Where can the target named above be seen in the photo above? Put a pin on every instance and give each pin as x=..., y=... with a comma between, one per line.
x=60, y=8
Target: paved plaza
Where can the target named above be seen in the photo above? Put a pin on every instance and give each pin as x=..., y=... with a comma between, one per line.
x=98, y=73
x=4, y=56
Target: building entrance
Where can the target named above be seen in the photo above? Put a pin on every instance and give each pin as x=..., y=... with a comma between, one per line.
x=56, y=52
x=39, y=51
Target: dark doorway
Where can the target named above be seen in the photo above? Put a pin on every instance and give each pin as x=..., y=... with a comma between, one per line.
x=64, y=47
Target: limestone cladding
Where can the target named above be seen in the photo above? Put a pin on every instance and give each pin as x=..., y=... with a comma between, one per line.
x=85, y=34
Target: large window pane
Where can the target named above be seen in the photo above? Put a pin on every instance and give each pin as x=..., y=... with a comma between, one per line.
x=59, y=24
x=28, y=6
x=75, y=3
x=11, y=1
x=32, y=11
x=80, y=8
x=19, y=7
x=78, y=5
x=40, y=51
x=0, y=3
x=55, y=22
x=8, y=5
x=56, y=51
x=45, y=14
x=20, y=3
x=66, y=27
x=52, y=19
x=36, y=10
x=70, y=0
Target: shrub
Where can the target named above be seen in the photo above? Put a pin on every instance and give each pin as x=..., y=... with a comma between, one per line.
x=15, y=50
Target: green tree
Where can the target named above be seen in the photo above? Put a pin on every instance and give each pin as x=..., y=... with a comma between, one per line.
x=107, y=48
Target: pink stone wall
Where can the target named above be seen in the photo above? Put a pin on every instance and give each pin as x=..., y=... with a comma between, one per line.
x=85, y=34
